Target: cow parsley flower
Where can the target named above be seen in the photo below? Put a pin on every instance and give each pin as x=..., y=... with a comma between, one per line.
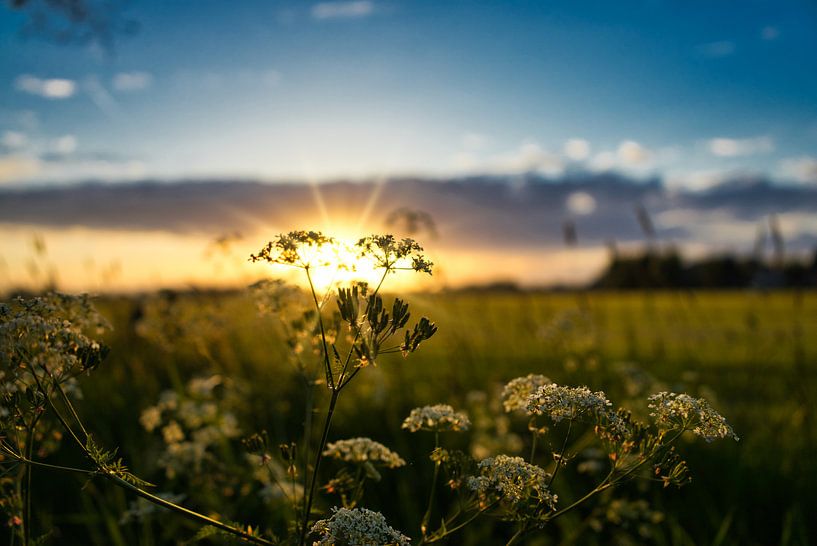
x=390, y=253
x=672, y=410
x=357, y=527
x=558, y=402
x=514, y=481
x=363, y=450
x=516, y=393
x=437, y=418
x=297, y=248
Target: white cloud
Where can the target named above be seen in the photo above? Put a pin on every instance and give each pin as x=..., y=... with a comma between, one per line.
x=800, y=169
x=16, y=167
x=132, y=81
x=13, y=140
x=577, y=149
x=716, y=50
x=580, y=203
x=529, y=157
x=343, y=10
x=603, y=161
x=697, y=180
x=55, y=88
x=734, y=147
x=632, y=153
x=65, y=145
x=628, y=156
x=770, y=33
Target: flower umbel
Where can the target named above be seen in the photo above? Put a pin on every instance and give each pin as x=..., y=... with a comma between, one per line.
x=296, y=248
x=673, y=410
x=389, y=253
x=363, y=450
x=516, y=393
x=571, y=403
x=517, y=483
x=357, y=527
x=437, y=418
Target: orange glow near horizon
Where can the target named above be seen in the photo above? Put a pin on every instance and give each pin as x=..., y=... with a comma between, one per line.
x=88, y=260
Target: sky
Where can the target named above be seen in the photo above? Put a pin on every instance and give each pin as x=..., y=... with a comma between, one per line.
x=702, y=112
x=692, y=92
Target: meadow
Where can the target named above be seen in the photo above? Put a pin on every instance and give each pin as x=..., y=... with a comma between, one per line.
x=750, y=353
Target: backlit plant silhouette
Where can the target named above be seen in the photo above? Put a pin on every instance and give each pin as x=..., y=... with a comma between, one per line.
x=48, y=346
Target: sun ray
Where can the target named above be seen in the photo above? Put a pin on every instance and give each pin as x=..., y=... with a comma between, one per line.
x=374, y=195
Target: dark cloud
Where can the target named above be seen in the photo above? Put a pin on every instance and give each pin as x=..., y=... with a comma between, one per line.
x=512, y=212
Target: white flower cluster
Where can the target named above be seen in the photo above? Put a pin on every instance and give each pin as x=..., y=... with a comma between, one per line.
x=362, y=450
x=48, y=334
x=516, y=393
x=437, y=418
x=514, y=481
x=558, y=402
x=671, y=410
x=357, y=527
x=191, y=425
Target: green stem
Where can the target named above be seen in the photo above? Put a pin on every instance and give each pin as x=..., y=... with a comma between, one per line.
x=318, y=458
x=561, y=454
x=533, y=447
x=329, y=376
x=517, y=535
x=433, y=539
x=608, y=482
x=195, y=516
x=358, y=493
x=25, y=461
x=189, y=514
x=310, y=386
x=27, y=491
x=427, y=515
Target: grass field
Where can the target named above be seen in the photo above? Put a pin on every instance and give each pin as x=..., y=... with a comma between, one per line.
x=753, y=354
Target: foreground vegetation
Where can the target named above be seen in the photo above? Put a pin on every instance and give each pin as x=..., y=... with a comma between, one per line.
x=748, y=353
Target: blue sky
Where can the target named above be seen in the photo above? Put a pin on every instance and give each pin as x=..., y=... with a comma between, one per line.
x=691, y=91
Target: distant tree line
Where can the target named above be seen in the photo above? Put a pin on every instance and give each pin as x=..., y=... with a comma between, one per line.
x=652, y=268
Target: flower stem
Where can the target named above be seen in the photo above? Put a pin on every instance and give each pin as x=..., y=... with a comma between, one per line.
x=330, y=380
x=116, y=480
x=318, y=458
x=561, y=454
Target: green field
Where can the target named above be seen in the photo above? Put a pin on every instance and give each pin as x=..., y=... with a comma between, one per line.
x=753, y=354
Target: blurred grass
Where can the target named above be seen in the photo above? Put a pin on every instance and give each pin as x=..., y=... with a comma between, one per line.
x=756, y=352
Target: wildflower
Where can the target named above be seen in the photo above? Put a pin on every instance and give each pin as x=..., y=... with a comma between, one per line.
x=357, y=527
x=363, y=450
x=560, y=403
x=151, y=418
x=516, y=393
x=514, y=481
x=172, y=433
x=296, y=248
x=672, y=410
x=437, y=418
x=389, y=253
